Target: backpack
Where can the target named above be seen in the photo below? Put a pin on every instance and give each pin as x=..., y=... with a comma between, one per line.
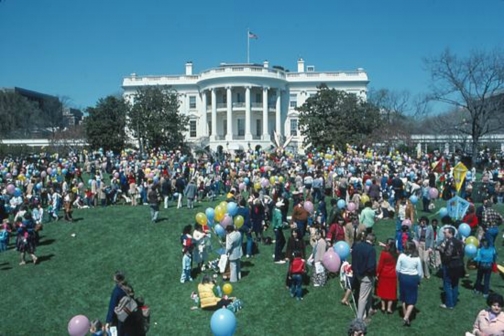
x=126, y=306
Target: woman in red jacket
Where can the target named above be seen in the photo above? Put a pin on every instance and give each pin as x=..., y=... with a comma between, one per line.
x=386, y=275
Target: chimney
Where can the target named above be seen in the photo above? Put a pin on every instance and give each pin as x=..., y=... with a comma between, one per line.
x=188, y=68
x=266, y=64
x=300, y=65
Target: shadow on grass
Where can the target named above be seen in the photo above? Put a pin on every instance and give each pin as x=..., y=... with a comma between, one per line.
x=75, y=220
x=44, y=258
x=466, y=283
x=5, y=266
x=247, y=264
x=46, y=242
x=164, y=219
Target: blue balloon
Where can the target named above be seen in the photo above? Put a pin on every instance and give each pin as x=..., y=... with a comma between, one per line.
x=246, y=180
x=232, y=209
x=17, y=192
x=470, y=251
x=369, y=182
x=443, y=212
x=210, y=222
x=64, y=171
x=89, y=181
x=219, y=230
x=342, y=249
x=341, y=204
x=464, y=230
x=413, y=199
x=223, y=322
x=210, y=213
x=38, y=186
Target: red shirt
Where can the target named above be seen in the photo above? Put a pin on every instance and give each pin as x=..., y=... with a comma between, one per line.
x=297, y=266
x=471, y=219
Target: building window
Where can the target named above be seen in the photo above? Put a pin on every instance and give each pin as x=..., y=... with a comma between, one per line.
x=224, y=126
x=241, y=127
x=294, y=127
x=258, y=97
x=192, y=102
x=209, y=128
x=192, y=128
x=224, y=98
x=238, y=98
x=293, y=100
x=258, y=127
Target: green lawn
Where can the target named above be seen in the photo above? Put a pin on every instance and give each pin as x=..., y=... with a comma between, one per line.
x=75, y=277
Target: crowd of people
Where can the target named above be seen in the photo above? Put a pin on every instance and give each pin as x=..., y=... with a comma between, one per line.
x=287, y=193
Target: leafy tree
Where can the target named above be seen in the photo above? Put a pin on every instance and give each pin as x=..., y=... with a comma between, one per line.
x=106, y=122
x=18, y=116
x=155, y=120
x=52, y=113
x=474, y=87
x=334, y=117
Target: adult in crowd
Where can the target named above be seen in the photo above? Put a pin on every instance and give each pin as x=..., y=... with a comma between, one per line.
x=386, y=276
x=424, y=235
x=300, y=218
x=404, y=210
x=319, y=274
x=484, y=259
x=234, y=252
x=121, y=289
x=26, y=238
x=364, y=268
x=409, y=272
x=246, y=228
x=209, y=295
x=354, y=230
x=279, y=236
x=490, y=321
x=153, y=198
x=452, y=260
x=357, y=328
x=258, y=218
x=367, y=216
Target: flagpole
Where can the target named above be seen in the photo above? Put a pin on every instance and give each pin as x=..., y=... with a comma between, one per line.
x=248, y=46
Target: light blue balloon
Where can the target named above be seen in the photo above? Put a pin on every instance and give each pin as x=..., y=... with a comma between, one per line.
x=443, y=212
x=223, y=322
x=246, y=180
x=232, y=209
x=17, y=192
x=210, y=213
x=413, y=199
x=470, y=251
x=341, y=204
x=369, y=182
x=464, y=230
x=342, y=249
x=219, y=230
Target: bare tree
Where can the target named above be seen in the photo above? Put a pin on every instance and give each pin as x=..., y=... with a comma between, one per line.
x=474, y=87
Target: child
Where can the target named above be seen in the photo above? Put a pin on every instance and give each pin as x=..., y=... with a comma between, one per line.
x=187, y=248
x=402, y=238
x=346, y=279
x=97, y=328
x=296, y=271
x=4, y=235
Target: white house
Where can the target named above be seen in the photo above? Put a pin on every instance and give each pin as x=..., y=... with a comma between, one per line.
x=239, y=106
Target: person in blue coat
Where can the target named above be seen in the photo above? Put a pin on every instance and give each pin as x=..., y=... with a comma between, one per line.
x=485, y=258
x=246, y=229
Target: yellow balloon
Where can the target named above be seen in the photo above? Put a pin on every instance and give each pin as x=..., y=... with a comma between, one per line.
x=472, y=240
x=201, y=218
x=364, y=199
x=223, y=205
x=219, y=213
x=257, y=186
x=310, y=161
x=238, y=221
x=147, y=170
x=281, y=179
x=272, y=179
x=227, y=289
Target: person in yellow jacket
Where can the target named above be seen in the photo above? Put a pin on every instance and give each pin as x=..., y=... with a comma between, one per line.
x=209, y=295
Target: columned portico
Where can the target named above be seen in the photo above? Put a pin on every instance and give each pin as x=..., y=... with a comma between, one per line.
x=248, y=133
x=278, y=112
x=265, y=131
x=229, y=107
x=204, y=113
x=214, y=114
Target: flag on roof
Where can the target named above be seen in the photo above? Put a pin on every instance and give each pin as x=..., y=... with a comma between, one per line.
x=252, y=35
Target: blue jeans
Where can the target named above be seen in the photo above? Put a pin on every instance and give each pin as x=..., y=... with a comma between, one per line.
x=398, y=225
x=483, y=274
x=279, y=244
x=296, y=288
x=450, y=287
x=250, y=243
x=301, y=228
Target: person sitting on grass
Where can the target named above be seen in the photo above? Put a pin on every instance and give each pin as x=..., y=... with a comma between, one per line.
x=490, y=321
x=209, y=296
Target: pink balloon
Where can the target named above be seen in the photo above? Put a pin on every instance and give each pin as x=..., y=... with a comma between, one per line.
x=43, y=174
x=406, y=222
x=150, y=175
x=49, y=171
x=265, y=182
x=81, y=185
x=331, y=261
x=241, y=186
x=11, y=188
x=227, y=220
x=433, y=193
x=351, y=206
x=8, y=175
x=116, y=175
x=349, y=175
x=308, y=206
x=78, y=326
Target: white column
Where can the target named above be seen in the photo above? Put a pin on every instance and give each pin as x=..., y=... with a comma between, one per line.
x=248, y=117
x=229, y=105
x=204, y=114
x=214, y=114
x=266, y=135
x=278, y=112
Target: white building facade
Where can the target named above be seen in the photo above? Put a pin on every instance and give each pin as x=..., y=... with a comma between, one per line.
x=240, y=106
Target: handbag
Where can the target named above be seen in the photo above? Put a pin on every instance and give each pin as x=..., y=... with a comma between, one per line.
x=494, y=268
x=126, y=306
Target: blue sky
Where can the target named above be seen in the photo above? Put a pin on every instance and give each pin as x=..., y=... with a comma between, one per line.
x=82, y=49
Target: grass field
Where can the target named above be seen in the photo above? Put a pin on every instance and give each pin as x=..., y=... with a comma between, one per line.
x=74, y=276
